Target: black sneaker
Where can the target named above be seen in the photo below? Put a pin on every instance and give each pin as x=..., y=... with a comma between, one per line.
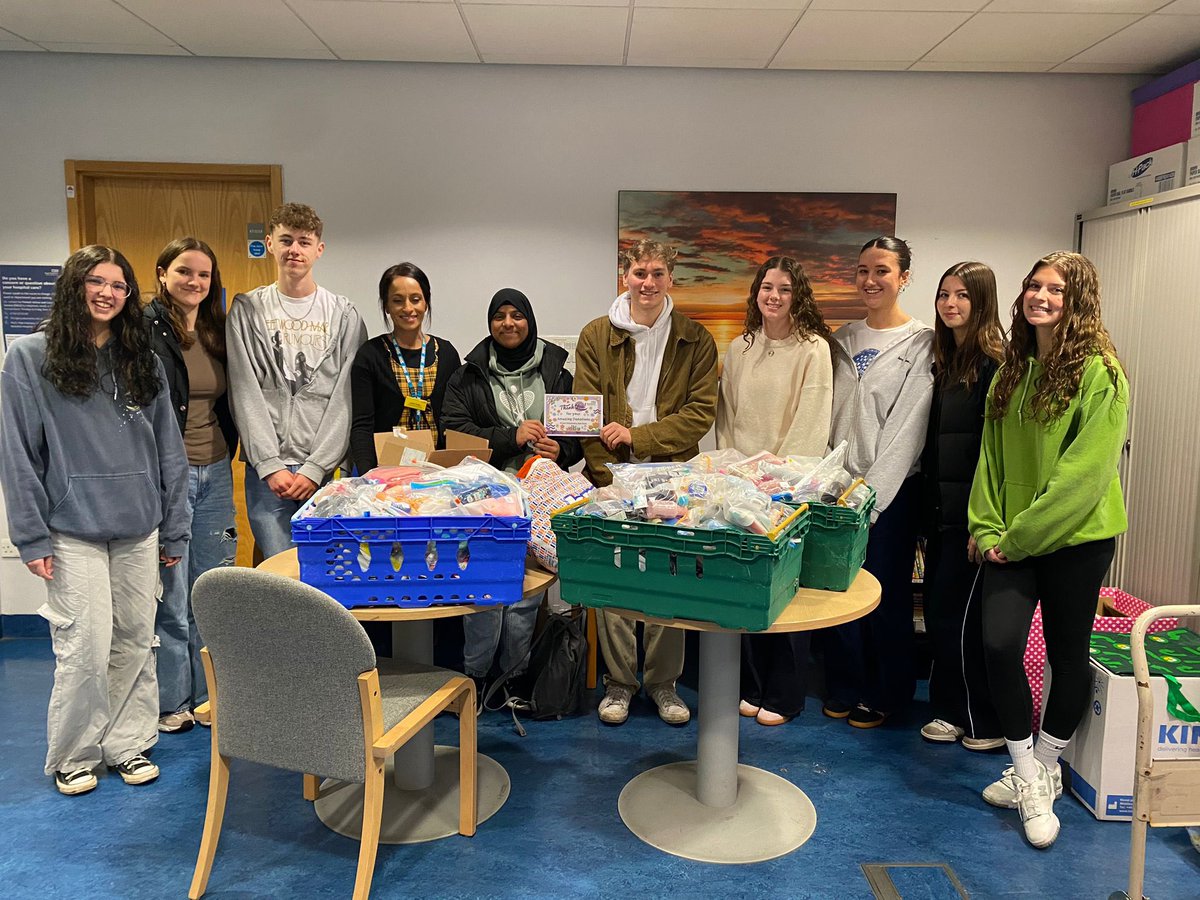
x=863, y=716
x=137, y=770
x=835, y=709
x=78, y=781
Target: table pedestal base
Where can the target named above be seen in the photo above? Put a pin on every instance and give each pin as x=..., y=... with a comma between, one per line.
x=769, y=818
x=411, y=817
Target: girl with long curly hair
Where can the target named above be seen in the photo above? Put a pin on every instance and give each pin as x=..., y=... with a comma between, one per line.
x=1045, y=509
x=968, y=345
x=186, y=319
x=95, y=485
x=776, y=395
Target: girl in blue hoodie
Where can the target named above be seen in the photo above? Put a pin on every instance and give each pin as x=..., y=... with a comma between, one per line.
x=95, y=485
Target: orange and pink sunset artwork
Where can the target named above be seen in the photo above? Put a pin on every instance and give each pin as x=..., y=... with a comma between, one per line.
x=724, y=236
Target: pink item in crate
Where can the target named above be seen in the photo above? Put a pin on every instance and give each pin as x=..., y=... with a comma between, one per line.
x=1035, y=651
x=549, y=488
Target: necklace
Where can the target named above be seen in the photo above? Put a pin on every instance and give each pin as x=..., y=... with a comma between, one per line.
x=283, y=304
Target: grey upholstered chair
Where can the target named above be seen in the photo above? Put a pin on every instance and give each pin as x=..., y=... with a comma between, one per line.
x=292, y=683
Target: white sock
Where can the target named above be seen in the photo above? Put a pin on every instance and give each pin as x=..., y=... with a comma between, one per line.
x=1024, y=763
x=1049, y=749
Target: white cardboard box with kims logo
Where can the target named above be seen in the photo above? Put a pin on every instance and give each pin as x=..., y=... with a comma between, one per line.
x=1101, y=754
x=1147, y=174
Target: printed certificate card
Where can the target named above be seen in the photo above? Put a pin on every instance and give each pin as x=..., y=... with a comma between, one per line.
x=574, y=415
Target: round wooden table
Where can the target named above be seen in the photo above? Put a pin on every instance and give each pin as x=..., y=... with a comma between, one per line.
x=712, y=808
x=421, y=798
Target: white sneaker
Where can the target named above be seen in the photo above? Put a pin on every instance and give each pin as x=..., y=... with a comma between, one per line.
x=614, y=708
x=941, y=732
x=1035, y=802
x=671, y=709
x=1003, y=793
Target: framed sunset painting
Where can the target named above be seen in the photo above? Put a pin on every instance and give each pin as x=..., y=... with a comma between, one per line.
x=724, y=236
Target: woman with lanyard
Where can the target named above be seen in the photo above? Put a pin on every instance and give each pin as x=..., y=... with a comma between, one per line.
x=399, y=378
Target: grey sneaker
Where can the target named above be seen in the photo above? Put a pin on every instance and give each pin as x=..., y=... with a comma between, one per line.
x=614, y=708
x=1003, y=793
x=671, y=709
x=175, y=722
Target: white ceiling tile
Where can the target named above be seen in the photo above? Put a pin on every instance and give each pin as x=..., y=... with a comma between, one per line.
x=857, y=65
x=549, y=35
x=271, y=53
x=1181, y=8
x=927, y=66
x=692, y=61
x=1141, y=68
x=731, y=5
x=902, y=5
x=1154, y=38
x=663, y=37
x=122, y=49
x=364, y=29
x=1075, y=6
x=1026, y=37
x=623, y=4
x=92, y=21
x=865, y=36
x=229, y=27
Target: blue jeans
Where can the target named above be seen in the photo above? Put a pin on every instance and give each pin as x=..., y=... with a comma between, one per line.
x=181, y=683
x=508, y=628
x=270, y=516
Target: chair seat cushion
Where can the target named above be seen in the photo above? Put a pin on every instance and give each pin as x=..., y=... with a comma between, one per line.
x=404, y=686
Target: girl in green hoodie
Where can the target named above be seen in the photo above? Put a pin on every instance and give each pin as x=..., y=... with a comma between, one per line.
x=1045, y=509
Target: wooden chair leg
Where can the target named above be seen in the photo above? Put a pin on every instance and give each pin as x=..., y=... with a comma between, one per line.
x=312, y=787
x=591, y=655
x=468, y=765
x=218, y=790
x=369, y=842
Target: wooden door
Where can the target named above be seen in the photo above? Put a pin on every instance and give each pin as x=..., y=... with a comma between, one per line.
x=138, y=207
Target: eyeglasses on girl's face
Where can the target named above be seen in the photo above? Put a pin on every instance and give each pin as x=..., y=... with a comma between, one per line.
x=119, y=289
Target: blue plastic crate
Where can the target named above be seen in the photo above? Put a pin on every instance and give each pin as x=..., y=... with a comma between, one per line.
x=412, y=561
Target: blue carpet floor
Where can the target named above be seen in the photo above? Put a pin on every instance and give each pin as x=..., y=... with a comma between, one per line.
x=882, y=797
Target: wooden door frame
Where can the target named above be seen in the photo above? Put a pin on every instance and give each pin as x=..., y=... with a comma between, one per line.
x=80, y=171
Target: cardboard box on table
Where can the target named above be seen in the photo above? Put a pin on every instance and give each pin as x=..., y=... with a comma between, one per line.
x=1101, y=753
x=398, y=447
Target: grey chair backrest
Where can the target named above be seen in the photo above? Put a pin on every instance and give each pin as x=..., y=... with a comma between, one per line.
x=286, y=658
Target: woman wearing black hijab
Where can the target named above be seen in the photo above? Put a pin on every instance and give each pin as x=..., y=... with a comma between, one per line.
x=499, y=391
x=499, y=394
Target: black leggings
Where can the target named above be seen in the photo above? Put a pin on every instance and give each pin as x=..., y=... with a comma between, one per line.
x=1068, y=583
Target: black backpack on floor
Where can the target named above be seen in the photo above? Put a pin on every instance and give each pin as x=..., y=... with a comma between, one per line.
x=553, y=684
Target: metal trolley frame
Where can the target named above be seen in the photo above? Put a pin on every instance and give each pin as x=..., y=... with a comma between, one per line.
x=1166, y=792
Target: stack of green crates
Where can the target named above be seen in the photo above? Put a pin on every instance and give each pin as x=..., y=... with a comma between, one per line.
x=836, y=545
x=730, y=578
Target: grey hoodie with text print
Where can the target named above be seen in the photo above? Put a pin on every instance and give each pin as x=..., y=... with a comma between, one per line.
x=883, y=414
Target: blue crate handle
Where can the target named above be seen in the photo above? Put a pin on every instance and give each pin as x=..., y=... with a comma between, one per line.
x=497, y=523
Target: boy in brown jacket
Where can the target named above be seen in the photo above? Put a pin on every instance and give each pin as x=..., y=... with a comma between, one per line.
x=657, y=372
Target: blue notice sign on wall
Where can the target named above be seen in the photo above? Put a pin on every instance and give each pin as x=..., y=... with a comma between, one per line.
x=257, y=249
x=26, y=293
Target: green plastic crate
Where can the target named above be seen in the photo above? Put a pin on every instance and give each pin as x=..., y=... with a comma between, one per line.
x=733, y=579
x=836, y=544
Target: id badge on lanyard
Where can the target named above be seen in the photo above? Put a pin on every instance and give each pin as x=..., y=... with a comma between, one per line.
x=413, y=399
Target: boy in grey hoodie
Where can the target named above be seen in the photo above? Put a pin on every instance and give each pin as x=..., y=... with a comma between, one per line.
x=290, y=347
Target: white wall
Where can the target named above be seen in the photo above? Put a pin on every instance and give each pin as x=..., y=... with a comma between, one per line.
x=492, y=176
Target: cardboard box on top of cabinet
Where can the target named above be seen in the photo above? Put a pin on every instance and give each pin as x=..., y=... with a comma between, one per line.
x=1193, y=162
x=1147, y=175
